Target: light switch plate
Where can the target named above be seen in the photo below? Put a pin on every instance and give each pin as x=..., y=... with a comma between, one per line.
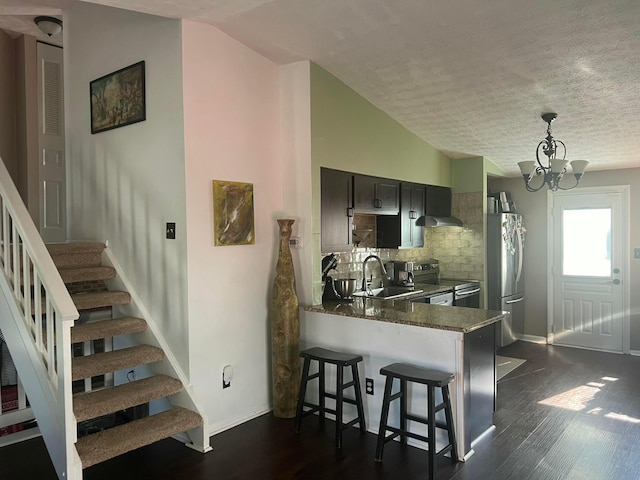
x=171, y=230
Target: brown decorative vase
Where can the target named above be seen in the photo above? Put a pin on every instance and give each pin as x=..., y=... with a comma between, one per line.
x=285, y=330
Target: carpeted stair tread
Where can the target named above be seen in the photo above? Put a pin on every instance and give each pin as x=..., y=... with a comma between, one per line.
x=71, y=248
x=101, y=363
x=112, y=442
x=86, y=301
x=68, y=255
x=86, y=274
x=111, y=327
x=110, y=400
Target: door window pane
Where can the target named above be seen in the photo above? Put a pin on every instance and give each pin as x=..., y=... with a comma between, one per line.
x=586, y=242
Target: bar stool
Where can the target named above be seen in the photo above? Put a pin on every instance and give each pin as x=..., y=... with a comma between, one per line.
x=432, y=379
x=340, y=360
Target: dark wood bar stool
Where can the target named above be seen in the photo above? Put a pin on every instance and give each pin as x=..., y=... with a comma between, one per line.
x=432, y=379
x=340, y=360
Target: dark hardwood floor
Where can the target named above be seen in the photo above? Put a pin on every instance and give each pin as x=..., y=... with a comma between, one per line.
x=565, y=414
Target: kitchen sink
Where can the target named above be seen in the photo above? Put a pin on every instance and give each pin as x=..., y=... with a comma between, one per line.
x=387, y=292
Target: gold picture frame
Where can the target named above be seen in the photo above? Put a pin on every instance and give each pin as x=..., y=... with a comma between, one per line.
x=233, y=222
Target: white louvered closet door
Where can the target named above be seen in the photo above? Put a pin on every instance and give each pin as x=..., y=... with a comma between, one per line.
x=52, y=171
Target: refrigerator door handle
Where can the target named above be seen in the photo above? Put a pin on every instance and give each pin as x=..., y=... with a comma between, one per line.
x=520, y=255
x=517, y=300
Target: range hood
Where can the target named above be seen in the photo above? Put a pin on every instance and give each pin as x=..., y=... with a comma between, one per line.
x=433, y=221
x=438, y=209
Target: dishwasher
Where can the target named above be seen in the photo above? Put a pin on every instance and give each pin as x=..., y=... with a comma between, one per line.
x=444, y=299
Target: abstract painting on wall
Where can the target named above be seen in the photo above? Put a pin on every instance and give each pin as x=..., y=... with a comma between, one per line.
x=233, y=213
x=118, y=99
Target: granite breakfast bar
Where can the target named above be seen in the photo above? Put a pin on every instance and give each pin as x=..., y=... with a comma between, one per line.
x=453, y=339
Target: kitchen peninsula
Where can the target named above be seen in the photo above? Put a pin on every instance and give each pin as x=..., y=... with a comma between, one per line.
x=453, y=339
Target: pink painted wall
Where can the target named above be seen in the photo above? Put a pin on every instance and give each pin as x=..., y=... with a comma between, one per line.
x=231, y=125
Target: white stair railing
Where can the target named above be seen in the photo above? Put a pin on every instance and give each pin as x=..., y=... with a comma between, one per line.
x=36, y=316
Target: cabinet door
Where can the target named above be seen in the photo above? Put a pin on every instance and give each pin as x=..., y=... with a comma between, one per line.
x=438, y=201
x=411, y=208
x=388, y=196
x=336, y=203
x=376, y=195
x=479, y=382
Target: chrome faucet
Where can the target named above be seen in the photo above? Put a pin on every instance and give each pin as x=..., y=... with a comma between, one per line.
x=365, y=285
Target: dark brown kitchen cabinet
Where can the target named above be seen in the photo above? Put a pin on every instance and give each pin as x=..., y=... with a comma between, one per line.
x=376, y=195
x=402, y=230
x=479, y=381
x=336, y=204
x=411, y=209
x=438, y=201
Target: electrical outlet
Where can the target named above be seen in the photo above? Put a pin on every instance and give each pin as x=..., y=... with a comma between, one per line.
x=295, y=242
x=227, y=375
x=171, y=230
x=368, y=386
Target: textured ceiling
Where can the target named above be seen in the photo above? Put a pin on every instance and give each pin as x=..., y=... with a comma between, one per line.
x=471, y=77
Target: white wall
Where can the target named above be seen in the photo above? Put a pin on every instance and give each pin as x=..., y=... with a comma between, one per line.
x=232, y=133
x=124, y=184
x=295, y=119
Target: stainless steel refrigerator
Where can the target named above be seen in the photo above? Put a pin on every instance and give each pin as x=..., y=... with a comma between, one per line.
x=505, y=283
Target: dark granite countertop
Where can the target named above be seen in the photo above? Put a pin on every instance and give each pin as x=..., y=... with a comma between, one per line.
x=404, y=312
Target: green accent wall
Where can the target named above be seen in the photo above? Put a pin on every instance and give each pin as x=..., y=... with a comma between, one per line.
x=468, y=175
x=492, y=169
x=349, y=133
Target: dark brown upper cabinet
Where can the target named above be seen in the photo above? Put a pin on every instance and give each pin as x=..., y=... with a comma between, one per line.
x=336, y=203
x=438, y=201
x=376, y=195
x=402, y=230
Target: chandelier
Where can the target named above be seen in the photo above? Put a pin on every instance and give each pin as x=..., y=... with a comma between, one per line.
x=553, y=168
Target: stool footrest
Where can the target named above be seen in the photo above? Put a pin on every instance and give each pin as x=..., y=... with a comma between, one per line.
x=424, y=420
x=399, y=431
x=314, y=409
x=445, y=450
x=351, y=423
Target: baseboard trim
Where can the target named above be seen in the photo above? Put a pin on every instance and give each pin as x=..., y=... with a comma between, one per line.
x=237, y=422
x=635, y=353
x=533, y=339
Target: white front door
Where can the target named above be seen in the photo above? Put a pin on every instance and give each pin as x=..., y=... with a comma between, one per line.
x=589, y=268
x=52, y=170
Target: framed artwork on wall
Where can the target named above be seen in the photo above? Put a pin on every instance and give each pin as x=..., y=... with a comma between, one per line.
x=118, y=99
x=233, y=222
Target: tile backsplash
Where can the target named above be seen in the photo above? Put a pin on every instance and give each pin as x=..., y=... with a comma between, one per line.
x=460, y=250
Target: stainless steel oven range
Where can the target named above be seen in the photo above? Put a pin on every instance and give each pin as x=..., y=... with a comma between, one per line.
x=465, y=293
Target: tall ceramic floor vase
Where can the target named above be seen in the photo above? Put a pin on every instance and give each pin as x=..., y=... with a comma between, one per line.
x=285, y=330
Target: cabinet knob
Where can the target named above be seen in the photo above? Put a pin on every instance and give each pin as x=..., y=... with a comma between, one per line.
x=377, y=203
x=413, y=214
x=349, y=212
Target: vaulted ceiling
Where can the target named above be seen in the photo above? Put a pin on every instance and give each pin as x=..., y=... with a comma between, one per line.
x=471, y=77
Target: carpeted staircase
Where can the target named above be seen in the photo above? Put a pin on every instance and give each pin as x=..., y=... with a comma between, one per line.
x=81, y=269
